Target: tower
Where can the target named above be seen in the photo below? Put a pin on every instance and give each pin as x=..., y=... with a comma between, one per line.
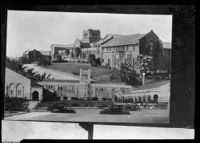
x=91, y=35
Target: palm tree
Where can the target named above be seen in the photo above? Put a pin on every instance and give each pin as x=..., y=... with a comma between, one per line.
x=41, y=77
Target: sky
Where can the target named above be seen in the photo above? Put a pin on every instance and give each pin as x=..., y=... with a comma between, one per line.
x=28, y=30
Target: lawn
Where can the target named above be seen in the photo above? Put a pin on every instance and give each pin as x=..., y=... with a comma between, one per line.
x=97, y=73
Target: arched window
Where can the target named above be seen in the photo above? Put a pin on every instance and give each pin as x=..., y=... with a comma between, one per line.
x=12, y=90
x=19, y=90
x=155, y=98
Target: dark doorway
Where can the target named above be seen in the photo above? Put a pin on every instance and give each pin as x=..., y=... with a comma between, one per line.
x=155, y=98
x=35, y=96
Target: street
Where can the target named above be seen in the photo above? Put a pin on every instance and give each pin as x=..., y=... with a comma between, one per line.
x=92, y=115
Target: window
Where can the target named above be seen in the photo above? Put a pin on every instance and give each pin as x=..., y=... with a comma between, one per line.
x=61, y=88
x=102, y=60
x=19, y=92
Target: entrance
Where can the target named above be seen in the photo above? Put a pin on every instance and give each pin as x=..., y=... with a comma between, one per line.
x=155, y=98
x=35, y=96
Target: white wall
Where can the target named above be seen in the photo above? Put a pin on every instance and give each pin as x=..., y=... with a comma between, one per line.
x=13, y=77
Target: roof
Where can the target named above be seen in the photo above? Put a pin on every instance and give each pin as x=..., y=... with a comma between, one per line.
x=97, y=41
x=47, y=53
x=152, y=85
x=26, y=52
x=167, y=45
x=123, y=40
x=63, y=45
x=35, y=84
x=57, y=80
x=14, y=72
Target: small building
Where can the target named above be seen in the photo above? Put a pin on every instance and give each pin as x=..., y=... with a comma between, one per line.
x=61, y=51
x=17, y=85
x=84, y=88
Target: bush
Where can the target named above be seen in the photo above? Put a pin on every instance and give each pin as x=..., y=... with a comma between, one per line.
x=94, y=99
x=16, y=104
x=75, y=104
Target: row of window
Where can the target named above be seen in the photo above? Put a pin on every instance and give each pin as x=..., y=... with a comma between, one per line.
x=124, y=48
x=61, y=88
x=72, y=88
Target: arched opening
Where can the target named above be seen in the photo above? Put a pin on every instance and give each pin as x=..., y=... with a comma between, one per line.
x=35, y=96
x=155, y=98
x=12, y=90
x=149, y=98
x=20, y=91
x=139, y=98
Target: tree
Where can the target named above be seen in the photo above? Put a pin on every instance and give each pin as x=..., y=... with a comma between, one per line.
x=67, y=52
x=126, y=73
x=44, y=61
x=24, y=60
x=42, y=77
x=34, y=55
x=144, y=64
x=91, y=59
x=59, y=58
x=129, y=75
x=77, y=52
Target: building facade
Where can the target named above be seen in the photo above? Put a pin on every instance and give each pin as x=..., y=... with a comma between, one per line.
x=84, y=88
x=146, y=93
x=69, y=89
x=126, y=49
x=19, y=86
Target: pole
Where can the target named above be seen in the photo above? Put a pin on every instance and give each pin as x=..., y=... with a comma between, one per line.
x=143, y=77
x=88, y=127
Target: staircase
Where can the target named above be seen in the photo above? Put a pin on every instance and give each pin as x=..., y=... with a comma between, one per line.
x=32, y=105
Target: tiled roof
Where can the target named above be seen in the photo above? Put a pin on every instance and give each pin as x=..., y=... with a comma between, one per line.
x=123, y=40
x=35, y=84
x=167, y=45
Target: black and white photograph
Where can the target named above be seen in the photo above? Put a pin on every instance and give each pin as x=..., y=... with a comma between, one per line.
x=74, y=67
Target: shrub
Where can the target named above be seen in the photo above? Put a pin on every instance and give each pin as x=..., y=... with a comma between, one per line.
x=94, y=99
x=75, y=104
x=16, y=104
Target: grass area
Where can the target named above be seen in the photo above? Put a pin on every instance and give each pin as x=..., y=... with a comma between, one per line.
x=97, y=73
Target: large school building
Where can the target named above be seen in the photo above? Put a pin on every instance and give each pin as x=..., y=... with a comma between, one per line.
x=115, y=49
